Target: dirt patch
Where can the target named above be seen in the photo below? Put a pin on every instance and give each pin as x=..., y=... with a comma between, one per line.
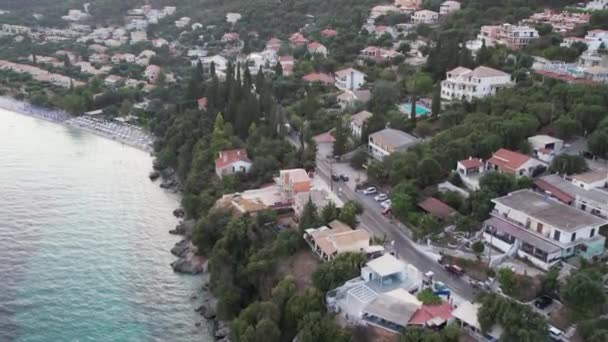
x=376, y=334
x=560, y=318
x=475, y=269
x=300, y=266
x=526, y=288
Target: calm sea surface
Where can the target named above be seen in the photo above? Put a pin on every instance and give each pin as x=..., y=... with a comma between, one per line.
x=84, y=248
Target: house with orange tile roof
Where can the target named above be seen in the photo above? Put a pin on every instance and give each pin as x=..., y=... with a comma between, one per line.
x=317, y=48
x=514, y=163
x=297, y=39
x=232, y=161
x=318, y=77
x=328, y=32
x=470, y=171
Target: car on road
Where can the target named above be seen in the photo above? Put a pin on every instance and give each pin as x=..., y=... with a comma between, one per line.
x=335, y=177
x=344, y=177
x=543, y=302
x=381, y=197
x=386, y=204
x=454, y=269
x=370, y=190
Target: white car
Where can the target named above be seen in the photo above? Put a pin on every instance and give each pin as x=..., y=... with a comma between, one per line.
x=381, y=198
x=369, y=191
x=386, y=204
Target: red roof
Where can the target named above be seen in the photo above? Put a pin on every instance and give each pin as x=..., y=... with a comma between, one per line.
x=324, y=138
x=202, y=103
x=428, y=312
x=557, y=193
x=507, y=160
x=565, y=78
x=329, y=32
x=297, y=38
x=436, y=208
x=230, y=157
x=471, y=163
x=317, y=77
x=314, y=45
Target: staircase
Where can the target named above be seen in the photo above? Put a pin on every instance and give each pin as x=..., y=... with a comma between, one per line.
x=509, y=254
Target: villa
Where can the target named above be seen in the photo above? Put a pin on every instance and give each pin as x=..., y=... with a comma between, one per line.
x=515, y=163
x=357, y=121
x=328, y=242
x=425, y=17
x=542, y=230
x=349, y=99
x=316, y=48
x=349, y=79
x=449, y=7
x=466, y=84
x=514, y=37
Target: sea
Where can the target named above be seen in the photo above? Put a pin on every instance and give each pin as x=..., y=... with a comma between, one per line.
x=84, y=243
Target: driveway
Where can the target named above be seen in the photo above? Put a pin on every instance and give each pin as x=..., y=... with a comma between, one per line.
x=377, y=224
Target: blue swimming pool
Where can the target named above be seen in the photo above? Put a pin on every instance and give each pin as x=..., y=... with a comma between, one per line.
x=420, y=109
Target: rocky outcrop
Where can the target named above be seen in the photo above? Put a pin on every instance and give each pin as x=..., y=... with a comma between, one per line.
x=188, y=262
x=221, y=331
x=154, y=175
x=185, y=228
x=208, y=309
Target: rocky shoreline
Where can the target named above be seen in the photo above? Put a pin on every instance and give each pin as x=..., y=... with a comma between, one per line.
x=188, y=261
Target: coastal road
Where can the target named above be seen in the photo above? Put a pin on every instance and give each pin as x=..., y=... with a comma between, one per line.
x=379, y=225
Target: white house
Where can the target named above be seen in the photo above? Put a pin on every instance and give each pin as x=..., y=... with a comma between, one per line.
x=542, y=230
x=449, y=7
x=594, y=201
x=152, y=72
x=389, y=140
x=328, y=242
x=317, y=48
x=232, y=161
x=350, y=79
x=425, y=17
x=514, y=163
x=350, y=98
x=466, y=84
x=597, y=5
x=220, y=64
x=357, y=122
x=182, y=22
x=470, y=171
x=591, y=180
x=546, y=147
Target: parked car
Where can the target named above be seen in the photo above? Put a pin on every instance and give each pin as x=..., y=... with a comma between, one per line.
x=554, y=333
x=344, y=177
x=386, y=204
x=335, y=177
x=370, y=190
x=543, y=302
x=454, y=269
x=381, y=197
x=385, y=211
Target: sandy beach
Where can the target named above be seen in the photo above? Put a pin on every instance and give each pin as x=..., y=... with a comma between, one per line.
x=122, y=132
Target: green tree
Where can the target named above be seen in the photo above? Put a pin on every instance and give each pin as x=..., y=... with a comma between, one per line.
x=429, y=171
x=427, y=297
x=436, y=104
x=568, y=164
x=341, y=137
x=219, y=138
x=478, y=247
x=420, y=84
x=329, y=212
x=359, y=158
x=385, y=96
x=315, y=327
x=598, y=143
x=506, y=279
x=309, y=217
x=334, y=273
x=348, y=214
x=298, y=306
x=584, y=295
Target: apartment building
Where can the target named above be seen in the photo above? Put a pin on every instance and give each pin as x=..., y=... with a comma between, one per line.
x=512, y=36
x=542, y=230
x=466, y=84
x=425, y=17
x=388, y=141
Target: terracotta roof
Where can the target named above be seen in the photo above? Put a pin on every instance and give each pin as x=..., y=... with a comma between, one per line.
x=317, y=77
x=315, y=45
x=202, y=103
x=231, y=156
x=296, y=175
x=429, y=312
x=329, y=32
x=508, y=160
x=459, y=70
x=436, y=208
x=555, y=191
x=360, y=118
x=324, y=138
x=471, y=163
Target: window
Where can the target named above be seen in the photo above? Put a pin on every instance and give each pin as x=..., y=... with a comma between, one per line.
x=573, y=237
x=592, y=233
x=556, y=235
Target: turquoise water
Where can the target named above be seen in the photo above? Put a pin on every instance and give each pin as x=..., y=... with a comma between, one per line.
x=420, y=110
x=84, y=248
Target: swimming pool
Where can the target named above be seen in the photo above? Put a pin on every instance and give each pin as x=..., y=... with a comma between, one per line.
x=420, y=109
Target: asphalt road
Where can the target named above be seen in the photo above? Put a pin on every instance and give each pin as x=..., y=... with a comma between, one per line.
x=380, y=226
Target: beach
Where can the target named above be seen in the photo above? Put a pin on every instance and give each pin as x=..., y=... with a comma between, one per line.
x=124, y=133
